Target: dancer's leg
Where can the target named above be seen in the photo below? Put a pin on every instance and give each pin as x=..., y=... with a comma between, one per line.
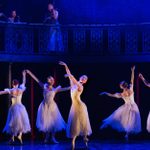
x=46, y=137
x=12, y=139
x=20, y=138
x=54, y=139
x=86, y=140
x=73, y=142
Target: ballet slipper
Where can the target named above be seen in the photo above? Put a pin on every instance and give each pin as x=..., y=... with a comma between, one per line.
x=86, y=141
x=20, y=139
x=11, y=141
x=54, y=140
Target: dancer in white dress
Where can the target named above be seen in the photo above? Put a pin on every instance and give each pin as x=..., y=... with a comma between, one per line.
x=148, y=85
x=49, y=119
x=78, y=121
x=17, y=120
x=127, y=117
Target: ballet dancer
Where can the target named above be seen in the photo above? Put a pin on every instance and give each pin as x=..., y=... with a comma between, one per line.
x=148, y=85
x=49, y=119
x=78, y=121
x=127, y=117
x=17, y=119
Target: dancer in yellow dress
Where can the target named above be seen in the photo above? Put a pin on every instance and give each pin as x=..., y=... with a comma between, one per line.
x=78, y=121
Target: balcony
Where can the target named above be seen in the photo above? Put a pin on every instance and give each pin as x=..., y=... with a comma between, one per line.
x=93, y=43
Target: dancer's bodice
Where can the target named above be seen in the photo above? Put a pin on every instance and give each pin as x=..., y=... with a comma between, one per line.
x=49, y=94
x=16, y=94
x=75, y=93
x=129, y=99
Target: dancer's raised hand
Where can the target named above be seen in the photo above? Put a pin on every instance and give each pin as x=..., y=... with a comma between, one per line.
x=62, y=63
x=141, y=76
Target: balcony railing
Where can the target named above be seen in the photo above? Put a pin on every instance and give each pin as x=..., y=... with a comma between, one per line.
x=102, y=40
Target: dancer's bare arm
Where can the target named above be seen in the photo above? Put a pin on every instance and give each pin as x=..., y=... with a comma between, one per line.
x=60, y=89
x=144, y=81
x=24, y=77
x=132, y=77
x=22, y=86
x=4, y=92
x=71, y=77
x=35, y=78
x=115, y=95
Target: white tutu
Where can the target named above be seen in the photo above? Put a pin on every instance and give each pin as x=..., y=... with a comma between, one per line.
x=125, y=119
x=49, y=118
x=17, y=120
x=78, y=121
x=148, y=123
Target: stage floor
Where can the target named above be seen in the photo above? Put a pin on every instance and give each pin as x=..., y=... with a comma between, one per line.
x=93, y=145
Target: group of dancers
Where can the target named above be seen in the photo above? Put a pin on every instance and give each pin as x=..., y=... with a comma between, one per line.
x=49, y=120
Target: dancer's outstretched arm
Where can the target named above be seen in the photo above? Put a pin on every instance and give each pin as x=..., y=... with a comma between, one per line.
x=60, y=89
x=4, y=92
x=24, y=77
x=116, y=95
x=66, y=67
x=71, y=77
x=144, y=81
x=22, y=86
x=132, y=77
x=35, y=78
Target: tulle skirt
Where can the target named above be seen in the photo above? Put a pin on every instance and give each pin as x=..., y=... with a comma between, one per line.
x=49, y=118
x=125, y=119
x=78, y=121
x=17, y=120
x=148, y=122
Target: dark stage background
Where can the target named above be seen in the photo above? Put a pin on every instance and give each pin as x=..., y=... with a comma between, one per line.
x=82, y=11
x=102, y=77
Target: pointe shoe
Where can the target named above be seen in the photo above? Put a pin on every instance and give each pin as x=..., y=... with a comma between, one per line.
x=54, y=141
x=20, y=140
x=11, y=141
x=86, y=142
x=73, y=146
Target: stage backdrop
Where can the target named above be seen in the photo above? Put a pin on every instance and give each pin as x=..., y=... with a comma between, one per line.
x=83, y=11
